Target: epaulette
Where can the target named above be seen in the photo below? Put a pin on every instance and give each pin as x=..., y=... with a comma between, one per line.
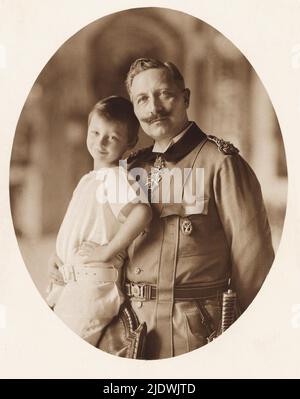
x=134, y=155
x=223, y=146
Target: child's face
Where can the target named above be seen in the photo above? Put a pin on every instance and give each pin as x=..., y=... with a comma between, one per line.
x=106, y=141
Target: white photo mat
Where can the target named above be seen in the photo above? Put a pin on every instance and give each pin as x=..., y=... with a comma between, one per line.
x=264, y=342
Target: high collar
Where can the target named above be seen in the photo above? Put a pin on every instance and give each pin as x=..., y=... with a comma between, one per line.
x=185, y=145
x=175, y=153
x=157, y=147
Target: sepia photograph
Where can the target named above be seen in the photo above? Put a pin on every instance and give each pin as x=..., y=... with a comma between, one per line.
x=168, y=82
x=150, y=203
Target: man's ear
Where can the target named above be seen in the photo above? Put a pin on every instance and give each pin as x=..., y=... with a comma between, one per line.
x=186, y=96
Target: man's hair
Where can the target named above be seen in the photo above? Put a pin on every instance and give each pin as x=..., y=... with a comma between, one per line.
x=119, y=109
x=143, y=64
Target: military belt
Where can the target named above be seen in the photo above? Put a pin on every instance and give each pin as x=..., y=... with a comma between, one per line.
x=148, y=292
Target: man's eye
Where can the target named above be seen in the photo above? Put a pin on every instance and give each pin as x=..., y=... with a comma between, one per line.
x=142, y=99
x=166, y=94
x=114, y=138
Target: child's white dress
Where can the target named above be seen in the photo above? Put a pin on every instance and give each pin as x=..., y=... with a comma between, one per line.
x=88, y=304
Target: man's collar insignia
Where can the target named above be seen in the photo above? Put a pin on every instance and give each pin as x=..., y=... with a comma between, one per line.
x=159, y=162
x=223, y=146
x=154, y=176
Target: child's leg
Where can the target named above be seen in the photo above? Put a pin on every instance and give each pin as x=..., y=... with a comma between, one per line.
x=88, y=307
x=94, y=331
x=53, y=292
x=94, y=338
x=106, y=307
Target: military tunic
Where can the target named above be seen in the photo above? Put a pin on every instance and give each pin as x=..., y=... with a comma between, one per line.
x=229, y=238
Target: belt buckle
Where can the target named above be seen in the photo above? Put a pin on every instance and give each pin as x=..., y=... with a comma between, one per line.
x=68, y=273
x=140, y=291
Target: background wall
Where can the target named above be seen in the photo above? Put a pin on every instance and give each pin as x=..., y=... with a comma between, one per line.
x=49, y=154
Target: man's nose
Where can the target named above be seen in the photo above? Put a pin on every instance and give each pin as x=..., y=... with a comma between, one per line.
x=155, y=105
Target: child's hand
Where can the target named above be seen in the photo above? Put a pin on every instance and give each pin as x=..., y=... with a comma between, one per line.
x=92, y=252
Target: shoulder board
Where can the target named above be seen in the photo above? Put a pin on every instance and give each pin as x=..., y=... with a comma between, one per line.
x=223, y=146
x=136, y=154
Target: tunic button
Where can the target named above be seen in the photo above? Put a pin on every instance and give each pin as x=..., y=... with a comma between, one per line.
x=139, y=304
x=186, y=227
x=137, y=270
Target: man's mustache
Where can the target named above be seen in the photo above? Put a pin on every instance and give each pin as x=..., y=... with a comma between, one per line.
x=155, y=117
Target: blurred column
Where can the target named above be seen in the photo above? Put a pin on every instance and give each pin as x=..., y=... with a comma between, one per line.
x=268, y=158
x=218, y=75
x=268, y=150
x=26, y=183
x=262, y=128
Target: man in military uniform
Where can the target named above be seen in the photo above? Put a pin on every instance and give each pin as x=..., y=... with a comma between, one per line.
x=195, y=248
x=178, y=269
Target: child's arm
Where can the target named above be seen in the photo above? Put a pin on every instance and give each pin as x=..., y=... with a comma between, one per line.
x=136, y=221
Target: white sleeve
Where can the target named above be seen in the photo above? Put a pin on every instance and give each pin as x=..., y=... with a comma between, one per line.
x=124, y=190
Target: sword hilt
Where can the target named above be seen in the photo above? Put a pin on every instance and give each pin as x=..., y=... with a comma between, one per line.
x=228, y=309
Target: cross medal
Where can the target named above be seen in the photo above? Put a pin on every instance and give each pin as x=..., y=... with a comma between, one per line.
x=154, y=176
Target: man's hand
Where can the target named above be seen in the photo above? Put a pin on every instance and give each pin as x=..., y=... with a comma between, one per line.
x=53, y=264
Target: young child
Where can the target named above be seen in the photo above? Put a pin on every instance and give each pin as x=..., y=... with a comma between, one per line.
x=104, y=216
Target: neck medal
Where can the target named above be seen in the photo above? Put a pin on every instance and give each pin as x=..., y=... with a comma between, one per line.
x=155, y=173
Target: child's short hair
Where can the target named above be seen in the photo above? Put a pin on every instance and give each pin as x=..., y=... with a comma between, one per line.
x=117, y=108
